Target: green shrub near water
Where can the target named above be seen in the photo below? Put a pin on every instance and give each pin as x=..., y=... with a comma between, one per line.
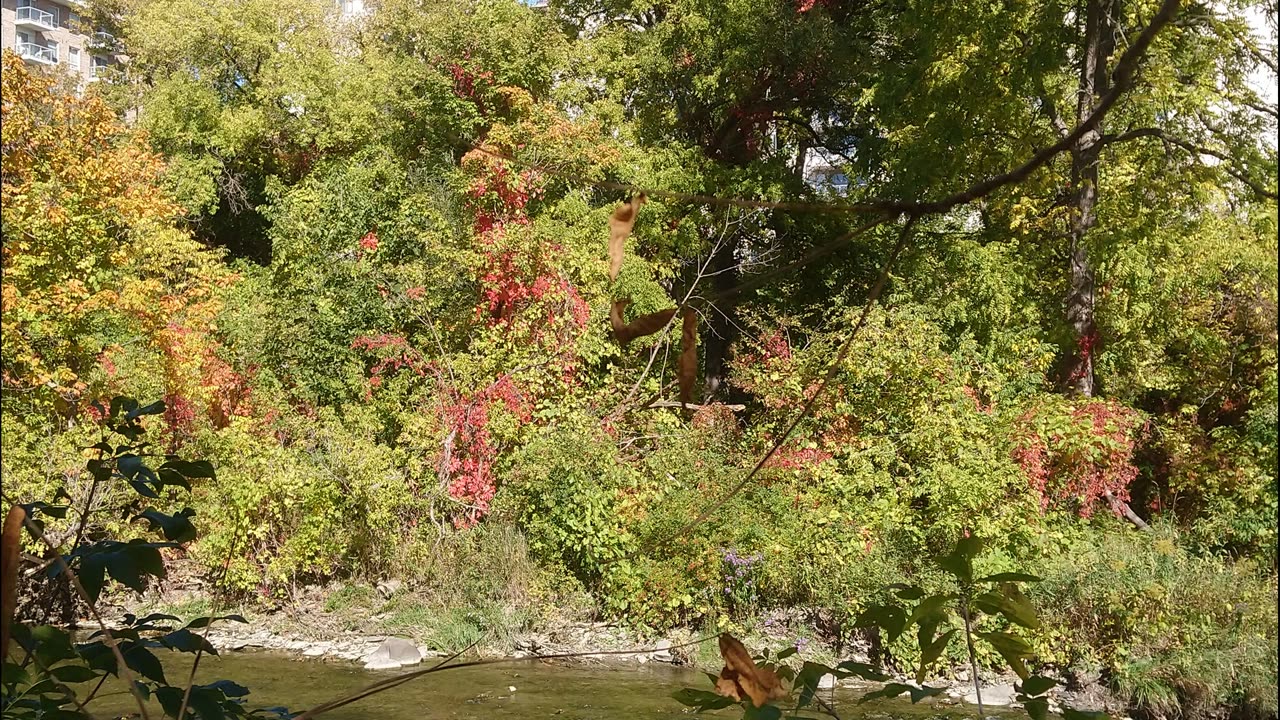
x=1175, y=631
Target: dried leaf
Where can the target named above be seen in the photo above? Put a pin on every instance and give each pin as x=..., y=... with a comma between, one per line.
x=688, y=355
x=10, y=544
x=620, y=225
x=740, y=676
x=641, y=326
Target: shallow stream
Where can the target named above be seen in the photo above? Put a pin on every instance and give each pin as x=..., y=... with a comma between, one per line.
x=541, y=690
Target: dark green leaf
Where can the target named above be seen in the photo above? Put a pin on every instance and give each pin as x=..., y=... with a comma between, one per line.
x=73, y=673
x=930, y=653
x=907, y=592
x=893, y=690
x=52, y=645
x=177, y=528
x=702, y=699
x=1037, y=708
x=154, y=408
x=1012, y=648
x=143, y=661
x=1010, y=577
x=202, y=621
x=170, y=699
x=169, y=476
x=13, y=674
x=959, y=562
x=862, y=670
x=783, y=655
x=1038, y=685
x=144, y=489
x=764, y=712
x=191, y=468
x=930, y=608
x=186, y=641
x=207, y=703
x=893, y=620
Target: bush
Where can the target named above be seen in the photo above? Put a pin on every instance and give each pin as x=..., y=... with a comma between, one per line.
x=1174, y=631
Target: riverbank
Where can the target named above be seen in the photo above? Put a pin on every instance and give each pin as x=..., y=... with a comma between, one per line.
x=387, y=627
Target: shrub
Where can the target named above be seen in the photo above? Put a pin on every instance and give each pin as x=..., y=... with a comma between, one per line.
x=1175, y=631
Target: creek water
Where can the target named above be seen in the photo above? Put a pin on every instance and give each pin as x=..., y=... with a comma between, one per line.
x=542, y=690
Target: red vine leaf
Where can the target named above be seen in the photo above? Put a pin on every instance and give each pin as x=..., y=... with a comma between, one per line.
x=620, y=224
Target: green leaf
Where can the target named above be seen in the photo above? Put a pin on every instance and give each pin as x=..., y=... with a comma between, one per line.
x=702, y=699
x=52, y=645
x=764, y=712
x=959, y=562
x=176, y=528
x=930, y=653
x=73, y=673
x=907, y=592
x=191, y=468
x=154, y=408
x=143, y=661
x=170, y=699
x=203, y=621
x=1010, y=577
x=891, y=619
x=186, y=641
x=788, y=652
x=1038, y=685
x=92, y=574
x=1037, y=708
x=14, y=674
x=893, y=690
x=1012, y=648
x=862, y=670
x=930, y=608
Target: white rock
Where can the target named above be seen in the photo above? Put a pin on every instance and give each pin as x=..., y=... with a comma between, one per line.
x=393, y=653
x=997, y=695
x=511, y=688
x=317, y=650
x=826, y=682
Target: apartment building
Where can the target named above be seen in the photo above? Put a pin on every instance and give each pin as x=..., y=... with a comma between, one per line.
x=53, y=34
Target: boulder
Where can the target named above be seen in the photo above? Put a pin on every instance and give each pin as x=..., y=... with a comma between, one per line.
x=393, y=653
x=997, y=695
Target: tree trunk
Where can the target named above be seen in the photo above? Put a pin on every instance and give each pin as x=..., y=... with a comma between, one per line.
x=1099, y=44
x=720, y=331
x=1095, y=80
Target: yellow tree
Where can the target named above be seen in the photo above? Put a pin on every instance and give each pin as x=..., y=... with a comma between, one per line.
x=93, y=253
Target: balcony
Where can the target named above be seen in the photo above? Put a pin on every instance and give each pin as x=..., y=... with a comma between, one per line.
x=97, y=72
x=40, y=54
x=102, y=43
x=33, y=17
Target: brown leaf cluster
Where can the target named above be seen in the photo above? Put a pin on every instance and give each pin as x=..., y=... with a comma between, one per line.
x=741, y=678
x=10, y=544
x=641, y=326
x=688, y=370
x=620, y=225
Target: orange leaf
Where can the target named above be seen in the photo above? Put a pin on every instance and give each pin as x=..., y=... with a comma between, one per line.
x=740, y=676
x=10, y=544
x=688, y=355
x=620, y=224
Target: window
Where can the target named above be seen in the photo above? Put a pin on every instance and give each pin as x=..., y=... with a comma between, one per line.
x=26, y=3
x=73, y=22
x=53, y=51
x=73, y=58
x=54, y=10
x=23, y=38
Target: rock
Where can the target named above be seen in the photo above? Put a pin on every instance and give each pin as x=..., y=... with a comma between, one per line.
x=511, y=688
x=826, y=682
x=662, y=651
x=317, y=649
x=997, y=695
x=393, y=653
x=390, y=587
